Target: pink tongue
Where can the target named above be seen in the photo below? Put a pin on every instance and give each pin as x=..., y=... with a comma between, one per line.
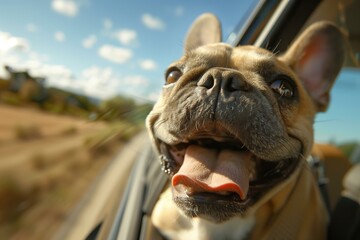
x=208, y=170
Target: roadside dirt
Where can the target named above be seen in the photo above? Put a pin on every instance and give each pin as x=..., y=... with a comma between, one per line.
x=49, y=124
x=55, y=134
x=46, y=167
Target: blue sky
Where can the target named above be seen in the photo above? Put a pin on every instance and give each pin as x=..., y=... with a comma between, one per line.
x=103, y=48
x=341, y=123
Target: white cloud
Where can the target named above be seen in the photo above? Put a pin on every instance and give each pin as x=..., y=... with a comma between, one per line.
x=30, y=27
x=59, y=36
x=148, y=64
x=135, y=85
x=9, y=43
x=100, y=82
x=152, y=22
x=89, y=41
x=179, y=11
x=16, y=52
x=107, y=24
x=12, y=48
x=115, y=54
x=136, y=81
x=38, y=57
x=126, y=36
x=66, y=7
x=101, y=74
x=57, y=75
x=94, y=81
x=104, y=83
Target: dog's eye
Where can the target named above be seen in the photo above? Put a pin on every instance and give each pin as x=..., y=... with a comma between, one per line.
x=173, y=75
x=283, y=88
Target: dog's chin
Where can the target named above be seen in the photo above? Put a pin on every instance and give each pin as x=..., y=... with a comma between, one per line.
x=221, y=205
x=210, y=206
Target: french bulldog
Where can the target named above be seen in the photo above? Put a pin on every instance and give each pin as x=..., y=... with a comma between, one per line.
x=233, y=128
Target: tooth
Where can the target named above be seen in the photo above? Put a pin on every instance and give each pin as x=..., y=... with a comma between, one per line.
x=189, y=191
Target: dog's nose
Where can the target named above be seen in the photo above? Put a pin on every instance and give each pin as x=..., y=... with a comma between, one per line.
x=226, y=81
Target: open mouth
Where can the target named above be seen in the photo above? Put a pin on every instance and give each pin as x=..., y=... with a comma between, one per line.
x=217, y=177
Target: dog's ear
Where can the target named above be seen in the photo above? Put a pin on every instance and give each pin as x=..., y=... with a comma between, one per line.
x=317, y=56
x=206, y=29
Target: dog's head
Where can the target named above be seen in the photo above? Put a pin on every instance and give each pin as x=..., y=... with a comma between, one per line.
x=233, y=123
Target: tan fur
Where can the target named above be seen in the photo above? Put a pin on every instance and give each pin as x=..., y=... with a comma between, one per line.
x=274, y=130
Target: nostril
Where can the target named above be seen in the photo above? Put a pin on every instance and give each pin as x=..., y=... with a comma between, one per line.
x=207, y=82
x=232, y=85
x=235, y=83
x=227, y=81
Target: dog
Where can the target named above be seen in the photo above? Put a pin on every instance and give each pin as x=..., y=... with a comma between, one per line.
x=233, y=128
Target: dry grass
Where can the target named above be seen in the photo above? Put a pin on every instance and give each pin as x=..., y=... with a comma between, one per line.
x=71, y=130
x=38, y=161
x=115, y=133
x=14, y=199
x=27, y=132
x=46, y=190
x=39, y=191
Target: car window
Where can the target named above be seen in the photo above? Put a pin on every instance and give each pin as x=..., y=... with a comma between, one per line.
x=340, y=124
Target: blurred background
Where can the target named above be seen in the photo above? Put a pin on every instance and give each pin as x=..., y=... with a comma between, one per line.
x=77, y=79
